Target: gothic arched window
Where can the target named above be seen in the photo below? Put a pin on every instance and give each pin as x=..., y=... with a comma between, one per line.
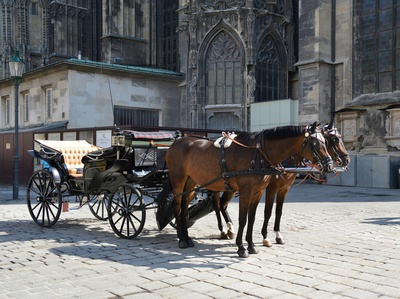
x=268, y=71
x=380, y=46
x=223, y=71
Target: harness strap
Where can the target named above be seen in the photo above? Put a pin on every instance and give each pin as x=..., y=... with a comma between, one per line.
x=267, y=171
x=223, y=165
x=230, y=174
x=258, y=147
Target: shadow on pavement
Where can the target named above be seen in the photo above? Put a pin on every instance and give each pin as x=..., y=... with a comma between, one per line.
x=383, y=220
x=89, y=238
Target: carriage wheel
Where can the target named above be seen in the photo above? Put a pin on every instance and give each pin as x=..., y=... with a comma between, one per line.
x=44, y=199
x=98, y=203
x=127, y=211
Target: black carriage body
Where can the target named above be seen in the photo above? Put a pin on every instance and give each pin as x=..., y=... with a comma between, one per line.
x=114, y=183
x=148, y=162
x=135, y=159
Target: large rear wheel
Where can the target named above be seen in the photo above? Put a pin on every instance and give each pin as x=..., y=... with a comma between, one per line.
x=44, y=199
x=127, y=211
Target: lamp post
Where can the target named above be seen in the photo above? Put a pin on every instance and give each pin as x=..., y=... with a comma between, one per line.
x=17, y=67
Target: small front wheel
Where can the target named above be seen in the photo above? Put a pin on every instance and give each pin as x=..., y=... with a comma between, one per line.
x=98, y=204
x=44, y=199
x=127, y=211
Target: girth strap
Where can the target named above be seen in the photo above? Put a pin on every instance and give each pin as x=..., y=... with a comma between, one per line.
x=223, y=166
x=228, y=174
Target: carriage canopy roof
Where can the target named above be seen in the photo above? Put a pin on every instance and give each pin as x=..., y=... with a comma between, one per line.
x=66, y=143
x=139, y=135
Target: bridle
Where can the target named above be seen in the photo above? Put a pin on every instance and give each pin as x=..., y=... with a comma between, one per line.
x=314, y=139
x=332, y=136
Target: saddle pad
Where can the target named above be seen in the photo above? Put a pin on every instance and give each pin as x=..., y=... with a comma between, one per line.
x=227, y=141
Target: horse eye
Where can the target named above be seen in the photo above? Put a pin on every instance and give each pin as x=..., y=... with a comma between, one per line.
x=315, y=144
x=335, y=140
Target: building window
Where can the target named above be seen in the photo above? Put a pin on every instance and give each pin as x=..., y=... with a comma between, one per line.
x=169, y=36
x=136, y=117
x=139, y=23
x=267, y=71
x=34, y=9
x=380, y=45
x=5, y=105
x=49, y=102
x=26, y=107
x=223, y=71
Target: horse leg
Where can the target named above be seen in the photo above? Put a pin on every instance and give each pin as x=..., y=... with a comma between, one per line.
x=251, y=218
x=185, y=240
x=226, y=198
x=181, y=210
x=243, y=208
x=280, y=199
x=181, y=228
x=269, y=202
x=217, y=209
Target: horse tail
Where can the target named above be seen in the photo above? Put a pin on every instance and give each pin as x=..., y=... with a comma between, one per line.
x=163, y=195
x=164, y=214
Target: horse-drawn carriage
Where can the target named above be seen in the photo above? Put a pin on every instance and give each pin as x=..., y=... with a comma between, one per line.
x=121, y=182
x=114, y=182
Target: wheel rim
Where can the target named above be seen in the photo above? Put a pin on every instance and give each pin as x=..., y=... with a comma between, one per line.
x=127, y=212
x=44, y=199
x=98, y=204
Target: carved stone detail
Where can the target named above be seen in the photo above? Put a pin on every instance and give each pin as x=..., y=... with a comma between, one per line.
x=223, y=48
x=262, y=29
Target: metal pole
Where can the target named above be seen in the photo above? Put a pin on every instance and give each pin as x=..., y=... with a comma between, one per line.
x=16, y=157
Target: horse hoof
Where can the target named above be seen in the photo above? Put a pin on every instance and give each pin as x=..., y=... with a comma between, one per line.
x=231, y=234
x=279, y=241
x=190, y=243
x=252, y=250
x=183, y=244
x=267, y=243
x=224, y=236
x=243, y=253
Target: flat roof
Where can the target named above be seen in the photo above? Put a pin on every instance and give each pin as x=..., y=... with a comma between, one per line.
x=142, y=69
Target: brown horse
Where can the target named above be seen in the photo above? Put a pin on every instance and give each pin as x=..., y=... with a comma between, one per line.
x=279, y=186
x=245, y=166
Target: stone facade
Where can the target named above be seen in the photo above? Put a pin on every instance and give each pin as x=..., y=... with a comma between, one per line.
x=233, y=54
x=84, y=94
x=112, y=43
x=236, y=35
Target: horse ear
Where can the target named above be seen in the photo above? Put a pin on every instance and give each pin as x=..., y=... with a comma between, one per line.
x=314, y=125
x=330, y=126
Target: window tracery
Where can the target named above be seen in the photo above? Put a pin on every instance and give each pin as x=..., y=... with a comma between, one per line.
x=267, y=71
x=223, y=71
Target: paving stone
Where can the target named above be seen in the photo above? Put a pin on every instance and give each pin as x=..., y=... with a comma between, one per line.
x=336, y=247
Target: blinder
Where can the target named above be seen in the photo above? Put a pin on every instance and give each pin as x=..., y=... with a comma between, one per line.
x=315, y=140
x=332, y=136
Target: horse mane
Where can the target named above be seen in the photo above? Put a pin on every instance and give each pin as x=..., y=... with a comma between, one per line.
x=273, y=133
x=283, y=132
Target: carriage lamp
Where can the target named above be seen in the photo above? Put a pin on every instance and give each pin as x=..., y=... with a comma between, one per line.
x=17, y=67
x=118, y=140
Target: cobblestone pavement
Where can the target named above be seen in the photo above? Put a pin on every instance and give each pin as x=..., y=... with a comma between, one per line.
x=341, y=242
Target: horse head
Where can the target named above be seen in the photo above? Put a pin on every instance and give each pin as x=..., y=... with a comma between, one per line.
x=315, y=142
x=335, y=145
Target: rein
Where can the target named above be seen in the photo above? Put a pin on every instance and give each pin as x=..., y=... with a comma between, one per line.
x=258, y=147
x=271, y=170
x=231, y=174
x=307, y=137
